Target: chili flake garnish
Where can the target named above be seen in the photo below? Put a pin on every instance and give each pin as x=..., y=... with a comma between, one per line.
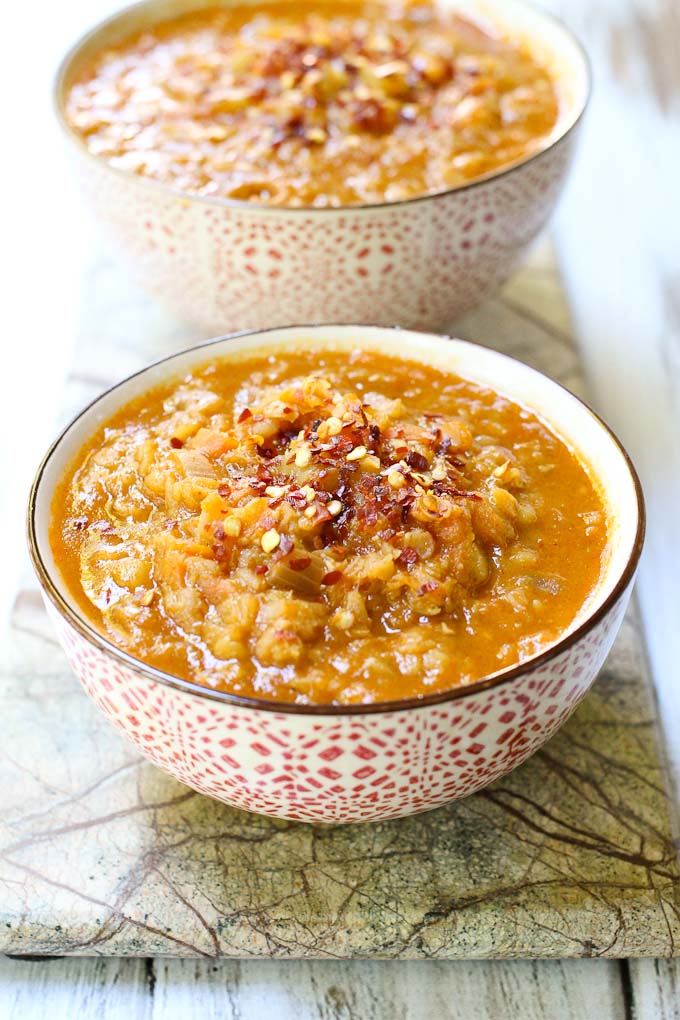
x=407, y=557
x=417, y=461
x=299, y=562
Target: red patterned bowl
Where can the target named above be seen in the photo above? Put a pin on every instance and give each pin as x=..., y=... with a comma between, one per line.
x=352, y=762
x=227, y=264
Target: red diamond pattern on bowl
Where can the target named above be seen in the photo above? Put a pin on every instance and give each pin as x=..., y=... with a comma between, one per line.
x=347, y=767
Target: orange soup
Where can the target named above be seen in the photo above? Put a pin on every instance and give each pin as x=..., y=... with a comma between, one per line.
x=314, y=104
x=328, y=527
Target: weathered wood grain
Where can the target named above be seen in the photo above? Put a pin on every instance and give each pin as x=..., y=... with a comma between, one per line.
x=75, y=990
x=118, y=989
x=655, y=989
x=375, y=991
x=301, y=990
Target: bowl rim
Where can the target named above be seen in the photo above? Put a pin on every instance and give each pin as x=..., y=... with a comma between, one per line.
x=260, y=207
x=147, y=672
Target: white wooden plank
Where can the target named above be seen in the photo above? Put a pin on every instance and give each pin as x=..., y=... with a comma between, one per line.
x=74, y=989
x=407, y=990
x=617, y=237
x=655, y=989
x=110, y=989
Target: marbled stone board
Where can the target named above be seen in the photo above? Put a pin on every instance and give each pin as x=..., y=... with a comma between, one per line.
x=100, y=853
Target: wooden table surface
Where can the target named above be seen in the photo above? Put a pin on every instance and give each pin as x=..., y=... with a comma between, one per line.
x=617, y=237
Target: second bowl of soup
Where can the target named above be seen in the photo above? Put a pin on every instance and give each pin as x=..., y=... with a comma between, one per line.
x=363, y=161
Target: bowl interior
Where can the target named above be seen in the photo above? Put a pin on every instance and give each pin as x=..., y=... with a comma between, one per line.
x=550, y=40
x=584, y=433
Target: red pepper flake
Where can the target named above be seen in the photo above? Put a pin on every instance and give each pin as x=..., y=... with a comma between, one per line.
x=219, y=533
x=369, y=516
x=417, y=461
x=405, y=497
x=407, y=557
x=444, y=450
x=296, y=498
x=332, y=577
x=300, y=563
x=176, y=443
x=245, y=414
x=427, y=587
x=261, y=568
x=323, y=514
x=286, y=544
x=368, y=483
x=78, y=523
x=442, y=489
x=276, y=502
x=224, y=490
x=342, y=444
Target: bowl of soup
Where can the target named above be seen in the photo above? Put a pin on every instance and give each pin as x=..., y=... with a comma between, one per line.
x=315, y=579
x=363, y=161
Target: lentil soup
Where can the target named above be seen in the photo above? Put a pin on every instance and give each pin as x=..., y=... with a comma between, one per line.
x=314, y=104
x=328, y=527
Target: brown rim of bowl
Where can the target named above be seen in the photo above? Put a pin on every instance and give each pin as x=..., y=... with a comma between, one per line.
x=484, y=683
x=236, y=203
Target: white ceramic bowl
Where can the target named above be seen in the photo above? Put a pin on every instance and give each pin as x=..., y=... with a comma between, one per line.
x=352, y=762
x=227, y=264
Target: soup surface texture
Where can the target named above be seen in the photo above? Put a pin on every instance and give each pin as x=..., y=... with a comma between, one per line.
x=314, y=104
x=328, y=527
